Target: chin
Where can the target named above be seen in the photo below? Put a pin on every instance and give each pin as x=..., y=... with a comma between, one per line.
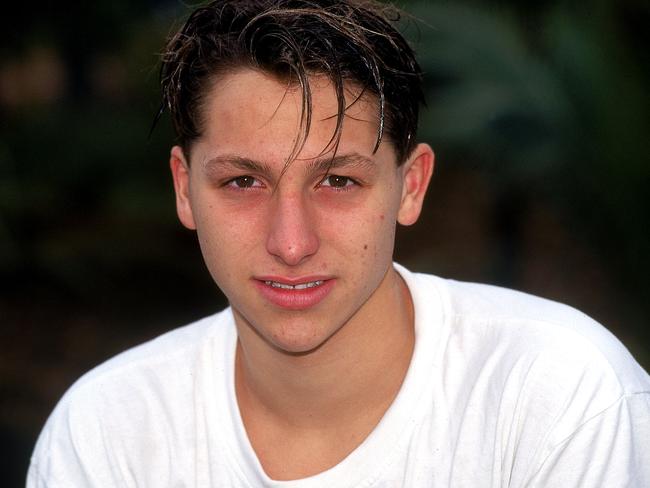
x=297, y=339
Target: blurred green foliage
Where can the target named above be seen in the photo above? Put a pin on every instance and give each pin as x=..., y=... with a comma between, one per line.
x=548, y=100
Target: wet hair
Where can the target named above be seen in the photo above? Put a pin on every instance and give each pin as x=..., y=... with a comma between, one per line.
x=351, y=42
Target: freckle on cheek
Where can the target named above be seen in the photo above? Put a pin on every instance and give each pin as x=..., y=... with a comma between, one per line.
x=381, y=217
x=365, y=246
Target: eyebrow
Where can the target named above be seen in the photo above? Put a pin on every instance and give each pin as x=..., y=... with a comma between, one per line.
x=352, y=160
x=235, y=162
x=320, y=165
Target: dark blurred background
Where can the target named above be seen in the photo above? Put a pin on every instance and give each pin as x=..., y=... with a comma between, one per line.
x=538, y=111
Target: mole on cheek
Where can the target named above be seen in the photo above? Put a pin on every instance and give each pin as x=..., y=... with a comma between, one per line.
x=365, y=246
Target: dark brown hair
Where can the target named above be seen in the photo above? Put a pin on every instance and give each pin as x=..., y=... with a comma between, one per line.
x=348, y=41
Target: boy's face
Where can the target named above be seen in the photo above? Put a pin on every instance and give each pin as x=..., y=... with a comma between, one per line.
x=298, y=254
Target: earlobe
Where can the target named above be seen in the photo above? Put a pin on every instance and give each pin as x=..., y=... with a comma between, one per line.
x=417, y=173
x=181, y=175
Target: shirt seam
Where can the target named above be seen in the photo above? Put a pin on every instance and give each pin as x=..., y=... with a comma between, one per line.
x=584, y=340
x=585, y=425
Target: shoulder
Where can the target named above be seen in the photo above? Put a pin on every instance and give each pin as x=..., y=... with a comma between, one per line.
x=162, y=364
x=538, y=377
x=170, y=352
x=143, y=395
x=483, y=322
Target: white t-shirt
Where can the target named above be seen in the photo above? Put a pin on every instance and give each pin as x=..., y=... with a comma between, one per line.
x=504, y=390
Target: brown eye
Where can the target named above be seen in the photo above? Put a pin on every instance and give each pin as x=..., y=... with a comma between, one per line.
x=244, y=182
x=336, y=181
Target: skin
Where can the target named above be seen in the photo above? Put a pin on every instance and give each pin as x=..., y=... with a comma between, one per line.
x=311, y=382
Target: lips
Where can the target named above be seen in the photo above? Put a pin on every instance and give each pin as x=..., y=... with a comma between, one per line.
x=294, y=293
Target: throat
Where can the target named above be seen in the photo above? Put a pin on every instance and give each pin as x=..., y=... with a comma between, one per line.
x=306, y=436
x=296, y=435
x=304, y=414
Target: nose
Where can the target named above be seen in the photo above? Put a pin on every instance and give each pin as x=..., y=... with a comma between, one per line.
x=292, y=236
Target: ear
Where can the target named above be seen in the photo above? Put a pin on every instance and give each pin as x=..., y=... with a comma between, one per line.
x=416, y=174
x=181, y=175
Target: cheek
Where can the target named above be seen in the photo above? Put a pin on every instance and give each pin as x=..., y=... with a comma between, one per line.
x=382, y=223
x=366, y=233
x=385, y=237
x=225, y=235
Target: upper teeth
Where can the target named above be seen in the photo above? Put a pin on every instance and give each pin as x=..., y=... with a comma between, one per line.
x=300, y=286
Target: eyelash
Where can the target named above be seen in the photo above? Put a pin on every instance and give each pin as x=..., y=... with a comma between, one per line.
x=349, y=183
x=232, y=183
x=255, y=183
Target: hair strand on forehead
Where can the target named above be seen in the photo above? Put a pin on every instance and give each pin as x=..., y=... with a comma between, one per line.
x=352, y=43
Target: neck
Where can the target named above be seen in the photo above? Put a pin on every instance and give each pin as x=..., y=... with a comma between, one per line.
x=345, y=383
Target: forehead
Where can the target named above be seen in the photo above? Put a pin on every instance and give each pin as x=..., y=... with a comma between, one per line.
x=249, y=111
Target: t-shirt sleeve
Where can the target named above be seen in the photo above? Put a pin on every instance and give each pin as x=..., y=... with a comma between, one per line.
x=612, y=448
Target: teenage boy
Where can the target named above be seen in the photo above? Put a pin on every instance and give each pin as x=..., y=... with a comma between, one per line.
x=334, y=367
